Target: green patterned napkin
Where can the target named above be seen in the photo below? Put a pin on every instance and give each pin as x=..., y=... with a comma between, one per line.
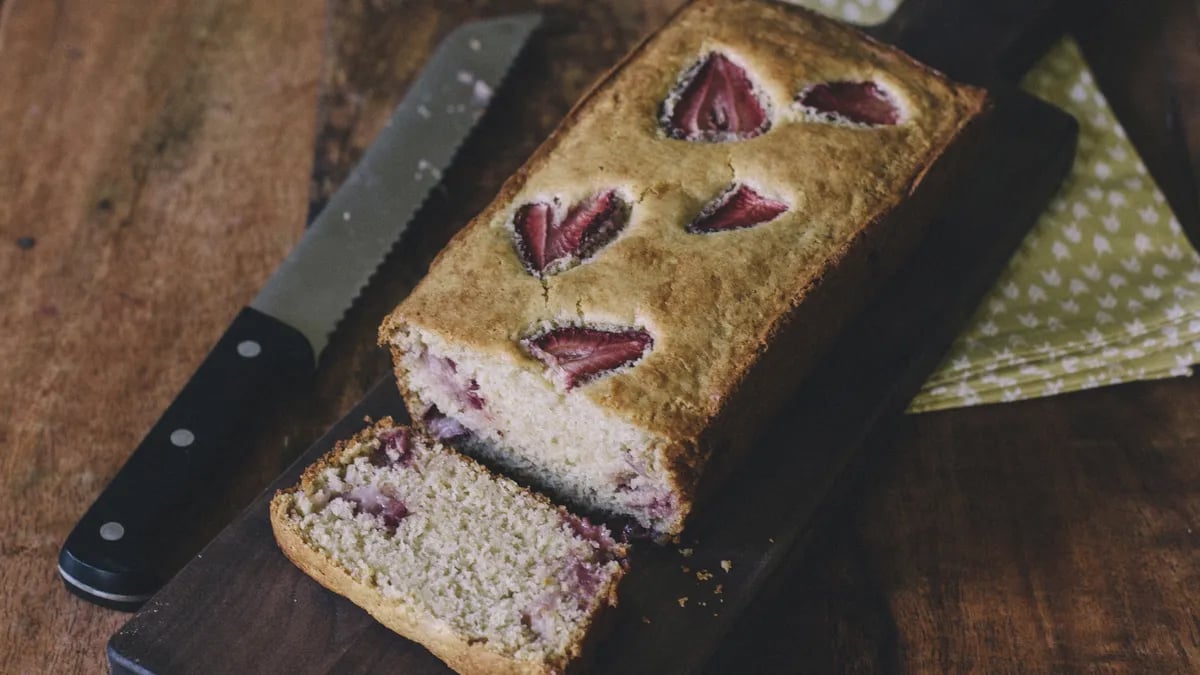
x=1105, y=289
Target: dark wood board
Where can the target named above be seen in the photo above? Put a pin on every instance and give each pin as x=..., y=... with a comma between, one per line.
x=240, y=605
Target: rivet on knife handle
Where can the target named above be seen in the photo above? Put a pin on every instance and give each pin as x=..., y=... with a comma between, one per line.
x=122, y=549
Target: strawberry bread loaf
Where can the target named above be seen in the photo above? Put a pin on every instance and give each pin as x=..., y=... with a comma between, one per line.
x=652, y=285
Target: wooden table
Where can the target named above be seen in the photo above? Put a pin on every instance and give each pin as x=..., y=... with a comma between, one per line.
x=155, y=163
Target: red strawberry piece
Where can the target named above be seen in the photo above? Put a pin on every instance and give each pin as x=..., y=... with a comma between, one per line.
x=466, y=391
x=584, y=579
x=715, y=102
x=578, y=354
x=739, y=207
x=550, y=242
x=395, y=447
x=392, y=513
x=373, y=501
x=584, y=528
x=443, y=427
x=858, y=102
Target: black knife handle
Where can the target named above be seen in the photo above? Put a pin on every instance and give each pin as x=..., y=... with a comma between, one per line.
x=127, y=544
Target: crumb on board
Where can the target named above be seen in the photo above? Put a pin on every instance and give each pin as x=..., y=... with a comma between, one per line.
x=726, y=565
x=685, y=569
x=645, y=619
x=702, y=603
x=703, y=575
x=770, y=540
x=686, y=552
x=682, y=601
x=719, y=589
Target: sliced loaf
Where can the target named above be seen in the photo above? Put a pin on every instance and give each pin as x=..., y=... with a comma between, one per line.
x=489, y=577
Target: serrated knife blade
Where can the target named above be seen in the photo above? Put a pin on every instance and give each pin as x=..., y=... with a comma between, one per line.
x=136, y=535
x=316, y=284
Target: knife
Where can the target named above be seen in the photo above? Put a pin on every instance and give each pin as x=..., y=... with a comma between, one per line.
x=128, y=544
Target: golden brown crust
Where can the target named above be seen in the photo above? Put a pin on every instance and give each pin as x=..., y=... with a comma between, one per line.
x=717, y=305
x=459, y=653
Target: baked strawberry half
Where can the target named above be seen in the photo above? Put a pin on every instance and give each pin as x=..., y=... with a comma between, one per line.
x=715, y=101
x=737, y=208
x=550, y=241
x=864, y=103
x=578, y=354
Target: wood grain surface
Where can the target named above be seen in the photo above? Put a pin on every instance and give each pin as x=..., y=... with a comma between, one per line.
x=159, y=155
x=155, y=155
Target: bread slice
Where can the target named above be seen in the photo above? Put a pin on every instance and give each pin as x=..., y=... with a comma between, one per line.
x=656, y=280
x=489, y=577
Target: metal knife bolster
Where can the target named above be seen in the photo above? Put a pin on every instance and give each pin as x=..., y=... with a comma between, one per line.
x=137, y=534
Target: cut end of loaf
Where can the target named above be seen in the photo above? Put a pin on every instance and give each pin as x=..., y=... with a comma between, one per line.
x=436, y=545
x=540, y=426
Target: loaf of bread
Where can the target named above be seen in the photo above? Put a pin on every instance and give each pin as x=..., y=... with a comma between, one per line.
x=654, y=282
x=488, y=576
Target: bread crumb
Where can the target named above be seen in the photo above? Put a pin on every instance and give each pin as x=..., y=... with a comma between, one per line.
x=770, y=540
x=702, y=603
x=645, y=619
x=727, y=565
x=719, y=589
x=682, y=601
x=686, y=569
x=704, y=575
x=686, y=552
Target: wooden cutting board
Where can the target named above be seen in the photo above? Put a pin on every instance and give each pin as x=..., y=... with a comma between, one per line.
x=240, y=606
